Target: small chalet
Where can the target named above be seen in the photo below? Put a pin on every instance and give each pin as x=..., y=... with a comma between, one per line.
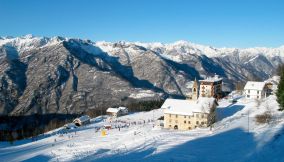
x=116, y=112
x=255, y=90
x=83, y=120
x=188, y=114
x=272, y=85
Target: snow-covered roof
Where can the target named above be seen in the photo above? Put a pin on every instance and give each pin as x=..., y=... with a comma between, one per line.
x=116, y=110
x=122, y=108
x=216, y=78
x=254, y=85
x=84, y=118
x=274, y=80
x=113, y=110
x=70, y=125
x=188, y=107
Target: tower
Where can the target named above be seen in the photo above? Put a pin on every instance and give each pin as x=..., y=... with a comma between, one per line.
x=195, y=90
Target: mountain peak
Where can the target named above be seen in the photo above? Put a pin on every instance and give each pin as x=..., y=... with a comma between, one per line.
x=182, y=42
x=28, y=36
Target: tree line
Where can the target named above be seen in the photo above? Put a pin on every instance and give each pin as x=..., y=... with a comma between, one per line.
x=280, y=90
x=21, y=127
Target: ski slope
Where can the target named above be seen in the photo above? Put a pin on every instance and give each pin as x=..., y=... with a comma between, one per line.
x=235, y=137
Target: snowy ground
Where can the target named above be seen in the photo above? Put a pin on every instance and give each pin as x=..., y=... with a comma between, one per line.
x=233, y=138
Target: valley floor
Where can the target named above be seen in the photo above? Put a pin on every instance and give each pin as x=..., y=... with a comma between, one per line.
x=235, y=137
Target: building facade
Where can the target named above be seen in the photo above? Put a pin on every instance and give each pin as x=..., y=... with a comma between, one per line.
x=116, y=112
x=255, y=90
x=186, y=114
x=185, y=121
x=211, y=87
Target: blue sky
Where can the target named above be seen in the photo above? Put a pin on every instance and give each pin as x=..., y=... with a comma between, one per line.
x=220, y=23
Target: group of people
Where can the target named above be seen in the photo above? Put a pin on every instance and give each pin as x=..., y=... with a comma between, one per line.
x=119, y=124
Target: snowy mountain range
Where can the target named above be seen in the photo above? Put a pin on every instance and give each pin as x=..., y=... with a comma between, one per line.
x=63, y=75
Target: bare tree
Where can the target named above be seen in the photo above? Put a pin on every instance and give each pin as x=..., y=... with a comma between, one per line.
x=240, y=86
x=258, y=102
x=212, y=116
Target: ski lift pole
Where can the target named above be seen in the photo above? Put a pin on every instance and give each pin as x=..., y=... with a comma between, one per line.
x=153, y=115
x=248, y=121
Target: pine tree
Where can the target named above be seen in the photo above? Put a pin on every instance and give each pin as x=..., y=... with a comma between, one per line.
x=10, y=138
x=280, y=91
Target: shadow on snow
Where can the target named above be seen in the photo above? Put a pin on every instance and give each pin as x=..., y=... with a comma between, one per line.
x=226, y=146
x=228, y=111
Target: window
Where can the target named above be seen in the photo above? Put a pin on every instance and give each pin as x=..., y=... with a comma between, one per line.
x=184, y=122
x=189, y=128
x=257, y=92
x=257, y=97
x=184, y=116
x=170, y=115
x=248, y=96
x=248, y=91
x=197, y=122
x=197, y=115
x=170, y=120
x=170, y=126
x=202, y=116
x=176, y=116
x=188, y=122
x=202, y=123
x=188, y=117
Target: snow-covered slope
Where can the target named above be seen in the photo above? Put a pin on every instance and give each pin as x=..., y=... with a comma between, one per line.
x=231, y=139
x=29, y=42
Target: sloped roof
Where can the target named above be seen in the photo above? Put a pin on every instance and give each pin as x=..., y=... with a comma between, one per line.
x=122, y=108
x=83, y=118
x=254, y=85
x=188, y=107
x=116, y=110
x=113, y=110
x=274, y=79
x=272, y=82
x=215, y=78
